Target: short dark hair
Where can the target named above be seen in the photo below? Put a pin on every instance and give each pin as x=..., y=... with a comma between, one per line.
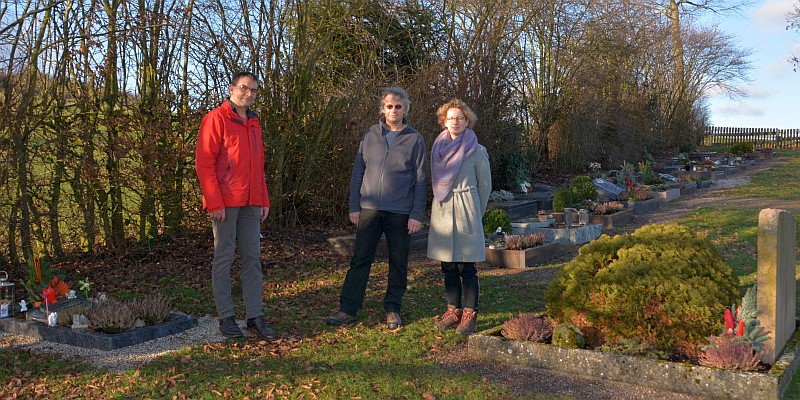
x=240, y=75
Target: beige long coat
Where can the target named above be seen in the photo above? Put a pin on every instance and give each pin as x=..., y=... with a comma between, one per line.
x=456, y=232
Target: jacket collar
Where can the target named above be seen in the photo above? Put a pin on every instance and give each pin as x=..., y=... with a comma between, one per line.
x=235, y=115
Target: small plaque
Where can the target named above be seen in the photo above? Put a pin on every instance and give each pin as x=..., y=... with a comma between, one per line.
x=607, y=190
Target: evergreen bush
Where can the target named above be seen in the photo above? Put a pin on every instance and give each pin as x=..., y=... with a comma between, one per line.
x=495, y=217
x=662, y=283
x=582, y=188
x=562, y=198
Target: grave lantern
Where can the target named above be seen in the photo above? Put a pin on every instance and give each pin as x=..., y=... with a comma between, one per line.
x=583, y=217
x=6, y=296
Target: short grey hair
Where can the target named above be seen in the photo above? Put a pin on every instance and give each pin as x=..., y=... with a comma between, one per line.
x=396, y=91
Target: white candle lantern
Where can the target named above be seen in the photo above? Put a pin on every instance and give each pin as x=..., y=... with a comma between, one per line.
x=6, y=296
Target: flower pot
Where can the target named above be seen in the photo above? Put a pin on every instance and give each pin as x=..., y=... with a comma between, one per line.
x=610, y=221
x=521, y=258
x=666, y=195
x=644, y=206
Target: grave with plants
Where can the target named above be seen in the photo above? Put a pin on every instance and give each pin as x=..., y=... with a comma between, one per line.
x=661, y=293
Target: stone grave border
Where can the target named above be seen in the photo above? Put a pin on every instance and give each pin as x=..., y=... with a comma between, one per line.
x=175, y=323
x=671, y=376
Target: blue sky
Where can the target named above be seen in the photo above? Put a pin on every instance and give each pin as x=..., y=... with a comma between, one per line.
x=774, y=89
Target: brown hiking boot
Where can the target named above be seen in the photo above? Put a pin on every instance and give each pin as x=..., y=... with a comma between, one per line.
x=393, y=320
x=340, y=318
x=468, y=323
x=449, y=320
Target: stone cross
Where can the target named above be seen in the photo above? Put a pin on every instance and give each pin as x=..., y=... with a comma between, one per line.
x=776, y=293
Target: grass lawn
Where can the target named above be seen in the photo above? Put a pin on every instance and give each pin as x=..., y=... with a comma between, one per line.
x=364, y=360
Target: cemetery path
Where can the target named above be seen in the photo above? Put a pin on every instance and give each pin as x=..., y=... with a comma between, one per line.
x=540, y=383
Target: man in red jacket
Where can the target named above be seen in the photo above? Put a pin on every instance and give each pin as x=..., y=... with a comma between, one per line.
x=230, y=166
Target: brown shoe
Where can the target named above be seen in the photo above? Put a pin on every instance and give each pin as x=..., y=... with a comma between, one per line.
x=450, y=319
x=340, y=318
x=393, y=320
x=468, y=323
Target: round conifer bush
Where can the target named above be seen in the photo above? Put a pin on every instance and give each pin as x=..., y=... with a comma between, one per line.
x=662, y=284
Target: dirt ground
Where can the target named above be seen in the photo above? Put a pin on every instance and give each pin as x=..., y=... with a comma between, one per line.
x=544, y=384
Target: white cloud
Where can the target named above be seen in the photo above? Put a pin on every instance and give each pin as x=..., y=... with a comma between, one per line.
x=738, y=110
x=771, y=15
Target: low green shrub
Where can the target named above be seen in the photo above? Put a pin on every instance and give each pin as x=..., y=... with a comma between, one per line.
x=562, y=198
x=740, y=149
x=582, y=188
x=495, y=217
x=662, y=283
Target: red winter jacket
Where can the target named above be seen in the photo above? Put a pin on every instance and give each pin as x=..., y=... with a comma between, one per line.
x=230, y=160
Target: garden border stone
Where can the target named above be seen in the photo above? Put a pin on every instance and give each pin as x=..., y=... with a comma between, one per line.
x=672, y=376
x=175, y=323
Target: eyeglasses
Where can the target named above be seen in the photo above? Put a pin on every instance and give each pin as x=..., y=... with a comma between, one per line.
x=396, y=107
x=246, y=90
x=456, y=119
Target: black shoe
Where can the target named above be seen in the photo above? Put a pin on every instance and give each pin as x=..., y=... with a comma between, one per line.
x=340, y=318
x=260, y=328
x=229, y=328
x=393, y=320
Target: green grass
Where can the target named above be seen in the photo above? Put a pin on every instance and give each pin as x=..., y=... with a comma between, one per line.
x=364, y=360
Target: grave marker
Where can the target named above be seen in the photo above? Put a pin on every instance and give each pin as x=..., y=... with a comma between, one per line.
x=776, y=281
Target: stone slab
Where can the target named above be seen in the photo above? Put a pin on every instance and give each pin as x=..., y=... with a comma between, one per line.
x=666, y=195
x=176, y=323
x=517, y=209
x=676, y=377
x=644, y=206
x=343, y=245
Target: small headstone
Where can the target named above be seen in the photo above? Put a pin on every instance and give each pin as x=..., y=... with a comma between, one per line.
x=607, y=190
x=777, y=268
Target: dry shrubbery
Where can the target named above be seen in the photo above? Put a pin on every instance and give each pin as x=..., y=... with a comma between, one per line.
x=115, y=316
x=153, y=309
x=111, y=316
x=527, y=327
x=522, y=242
x=730, y=353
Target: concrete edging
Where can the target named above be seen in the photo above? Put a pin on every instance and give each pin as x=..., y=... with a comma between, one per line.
x=658, y=374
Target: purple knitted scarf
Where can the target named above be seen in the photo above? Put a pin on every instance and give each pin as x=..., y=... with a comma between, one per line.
x=446, y=158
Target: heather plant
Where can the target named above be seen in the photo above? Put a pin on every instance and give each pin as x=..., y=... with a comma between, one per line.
x=638, y=193
x=608, y=207
x=522, y=242
x=65, y=314
x=528, y=326
x=153, y=309
x=661, y=283
x=729, y=352
x=111, y=316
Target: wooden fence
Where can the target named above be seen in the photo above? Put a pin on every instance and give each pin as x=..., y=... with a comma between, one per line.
x=759, y=137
